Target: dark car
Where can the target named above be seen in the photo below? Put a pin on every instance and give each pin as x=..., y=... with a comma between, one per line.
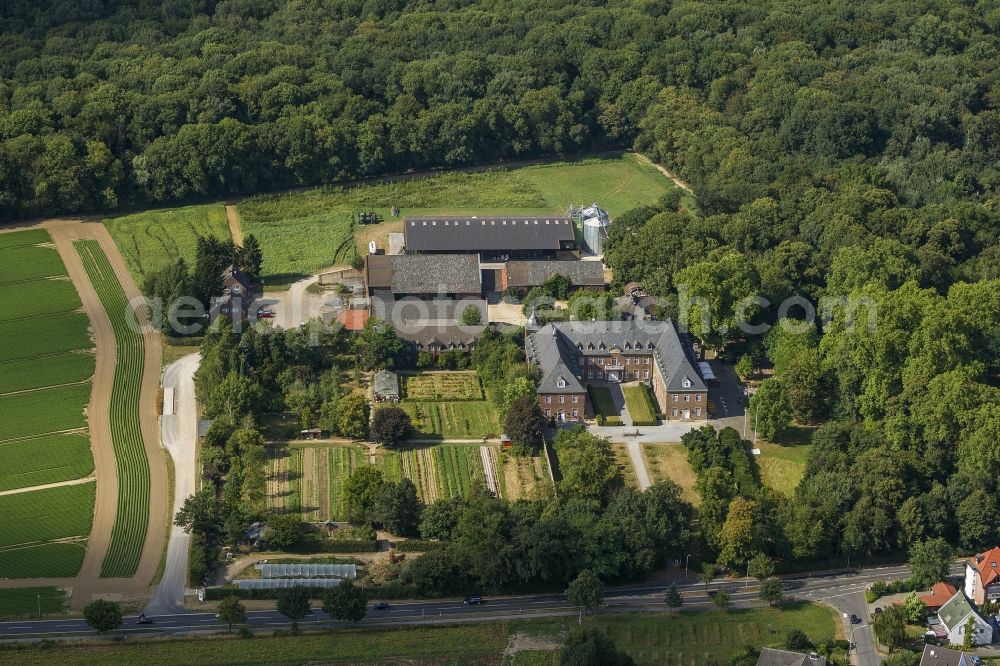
x=855, y=619
x=142, y=619
x=472, y=601
x=381, y=605
x=265, y=313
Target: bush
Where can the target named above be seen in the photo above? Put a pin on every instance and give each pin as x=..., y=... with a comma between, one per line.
x=472, y=315
x=417, y=545
x=613, y=420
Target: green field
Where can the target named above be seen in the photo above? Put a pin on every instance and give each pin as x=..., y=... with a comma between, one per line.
x=600, y=398
x=21, y=264
x=152, y=239
x=22, y=238
x=31, y=602
x=441, y=386
x=45, y=371
x=640, y=404
x=48, y=560
x=44, y=411
x=37, y=298
x=782, y=467
x=469, y=419
x=43, y=515
x=30, y=338
x=129, y=532
x=41, y=460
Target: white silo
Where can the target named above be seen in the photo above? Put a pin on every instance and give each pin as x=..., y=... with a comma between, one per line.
x=595, y=228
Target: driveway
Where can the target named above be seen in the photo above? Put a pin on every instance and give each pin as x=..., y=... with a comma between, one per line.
x=297, y=305
x=667, y=431
x=179, y=435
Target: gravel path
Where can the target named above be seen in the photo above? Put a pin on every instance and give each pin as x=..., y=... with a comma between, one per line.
x=235, y=225
x=46, y=486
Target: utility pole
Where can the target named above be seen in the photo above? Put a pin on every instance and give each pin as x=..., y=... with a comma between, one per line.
x=747, y=586
x=38, y=598
x=686, y=560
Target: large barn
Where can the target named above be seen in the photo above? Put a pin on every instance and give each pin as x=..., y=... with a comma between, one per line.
x=494, y=239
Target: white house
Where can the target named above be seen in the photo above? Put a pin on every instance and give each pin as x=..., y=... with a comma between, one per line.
x=955, y=615
x=982, y=577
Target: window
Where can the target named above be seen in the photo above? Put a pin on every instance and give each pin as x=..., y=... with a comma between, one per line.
x=548, y=413
x=646, y=374
x=576, y=400
x=562, y=400
x=686, y=383
x=561, y=383
x=677, y=398
x=646, y=361
x=687, y=398
x=673, y=412
x=590, y=374
x=600, y=374
x=697, y=411
x=576, y=412
x=697, y=398
x=548, y=400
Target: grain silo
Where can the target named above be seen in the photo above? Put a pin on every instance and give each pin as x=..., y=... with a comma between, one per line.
x=595, y=222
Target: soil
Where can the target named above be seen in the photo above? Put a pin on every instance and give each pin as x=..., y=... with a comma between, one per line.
x=235, y=224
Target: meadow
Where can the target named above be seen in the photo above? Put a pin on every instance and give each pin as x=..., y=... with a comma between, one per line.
x=30, y=338
x=152, y=239
x=129, y=532
x=47, y=459
x=33, y=373
x=669, y=461
x=640, y=404
x=48, y=560
x=624, y=463
x=29, y=601
x=43, y=515
x=44, y=411
x=37, y=298
x=23, y=263
x=782, y=467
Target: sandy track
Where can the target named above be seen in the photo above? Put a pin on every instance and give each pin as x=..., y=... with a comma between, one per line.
x=235, y=224
x=46, y=486
x=88, y=582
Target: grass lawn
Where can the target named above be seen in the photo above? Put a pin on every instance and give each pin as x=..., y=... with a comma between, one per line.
x=782, y=467
x=459, y=385
x=33, y=462
x=466, y=419
x=26, y=602
x=22, y=238
x=624, y=463
x=669, y=461
x=38, y=297
x=151, y=239
x=640, y=404
x=600, y=398
x=42, y=515
x=44, y=411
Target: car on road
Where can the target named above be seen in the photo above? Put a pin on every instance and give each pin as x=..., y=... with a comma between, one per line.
x=472, y=601
x=265, y=313
x=381, y=605
x=855, y=619
x=142, y=619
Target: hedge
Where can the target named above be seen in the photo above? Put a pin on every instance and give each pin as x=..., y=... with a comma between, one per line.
x=416, y=545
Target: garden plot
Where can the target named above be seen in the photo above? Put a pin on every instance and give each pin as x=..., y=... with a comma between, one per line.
x=470, y=419
x=434, y=386
x=524, y=477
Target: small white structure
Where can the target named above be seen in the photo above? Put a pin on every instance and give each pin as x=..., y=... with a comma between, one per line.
x=595, y=228
x=955, y=615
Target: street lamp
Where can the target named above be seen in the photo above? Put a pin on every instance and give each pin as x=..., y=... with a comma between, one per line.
x=686, y=560
x=747, y=586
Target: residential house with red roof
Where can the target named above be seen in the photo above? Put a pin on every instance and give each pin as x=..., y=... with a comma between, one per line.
x=982, y=577
x=939, y=596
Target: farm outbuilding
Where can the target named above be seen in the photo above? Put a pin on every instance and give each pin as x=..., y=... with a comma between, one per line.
x=386, y=386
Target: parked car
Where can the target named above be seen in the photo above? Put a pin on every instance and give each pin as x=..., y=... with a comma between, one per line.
x=380, y=605
x=472, y=601
x=855, y=619
x=265, y=313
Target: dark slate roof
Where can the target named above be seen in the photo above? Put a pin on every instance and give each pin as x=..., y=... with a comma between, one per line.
x=449, y=337
x=556, y=347
x=411, y=311
x=435, y=273
x=935, y=655
x=234, y=276
x=386, y=383
x=475, y=234
x=534, y=273
x=772, y=657
x=378, y=271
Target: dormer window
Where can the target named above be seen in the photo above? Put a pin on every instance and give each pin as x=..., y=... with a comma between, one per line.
x=686, y=383
x=628, y=346
x=601, y=345
x=649, y=345
x=579, y=346
x=561, y=383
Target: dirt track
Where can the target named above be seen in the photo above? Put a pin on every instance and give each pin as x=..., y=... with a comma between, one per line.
x=235, y=224
x=88, y=582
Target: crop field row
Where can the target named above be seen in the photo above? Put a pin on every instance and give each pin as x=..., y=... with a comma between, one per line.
x=40, y=336
x=30, y=262
x=44, y=515
x=35, y=373
x=470, y=419
x=37, y=298
x=61, y=559
x=152, y=239
x=22, y=238
x=27, y=601
x=441, y=386
x=41, y=460
x=44, y=411
x=284, y=479
x=129, y=532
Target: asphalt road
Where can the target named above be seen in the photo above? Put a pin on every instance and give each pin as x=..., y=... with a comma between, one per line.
x=838, y=589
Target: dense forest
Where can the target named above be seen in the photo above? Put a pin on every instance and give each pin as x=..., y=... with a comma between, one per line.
x=109, y=103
